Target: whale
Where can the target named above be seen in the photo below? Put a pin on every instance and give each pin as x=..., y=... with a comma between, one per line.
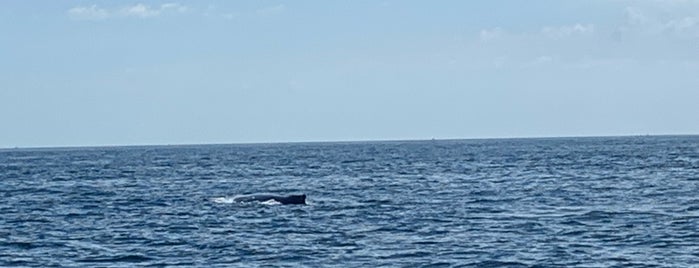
x=285, y=200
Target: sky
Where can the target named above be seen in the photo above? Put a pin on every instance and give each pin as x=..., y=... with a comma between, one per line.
x=91, y=73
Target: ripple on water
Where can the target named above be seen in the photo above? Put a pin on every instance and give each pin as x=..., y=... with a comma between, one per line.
x=578, y=202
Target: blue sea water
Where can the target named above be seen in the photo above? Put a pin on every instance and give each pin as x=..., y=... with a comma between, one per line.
x=562, y=202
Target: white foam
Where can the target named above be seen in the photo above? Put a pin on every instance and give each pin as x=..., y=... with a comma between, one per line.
x=271, y=202
x=232, y=199
x=223, y=200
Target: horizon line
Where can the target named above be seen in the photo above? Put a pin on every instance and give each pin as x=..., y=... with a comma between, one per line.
x=49, y=147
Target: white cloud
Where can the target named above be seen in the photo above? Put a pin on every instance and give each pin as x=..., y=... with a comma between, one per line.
x=635, y=16
x=487, y=35
x=640, y=34
x=643, y=23
x=230, y=16
x=542, y=60
x=174, y=6
x=272, y=10
x=88, y=13
x=139, y=10
x=687, y=26
x=638, y=21
x=568, y=30
x=557, y=32
x=676, y=2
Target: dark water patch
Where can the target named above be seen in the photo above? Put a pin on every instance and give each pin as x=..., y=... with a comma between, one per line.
x=491, y=263
x=19, y=245
x=356, y=161
x=116, y=259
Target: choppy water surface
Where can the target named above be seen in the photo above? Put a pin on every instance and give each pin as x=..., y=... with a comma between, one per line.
x=588, y=202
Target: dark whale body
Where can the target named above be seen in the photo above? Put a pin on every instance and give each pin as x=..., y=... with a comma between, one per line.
x=286, y=200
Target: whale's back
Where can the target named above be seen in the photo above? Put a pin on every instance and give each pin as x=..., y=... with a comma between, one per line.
x=290, y=199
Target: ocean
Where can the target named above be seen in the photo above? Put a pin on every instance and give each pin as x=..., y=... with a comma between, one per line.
x=550, y=202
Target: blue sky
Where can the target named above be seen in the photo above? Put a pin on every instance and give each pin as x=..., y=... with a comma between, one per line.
x=85, y=73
